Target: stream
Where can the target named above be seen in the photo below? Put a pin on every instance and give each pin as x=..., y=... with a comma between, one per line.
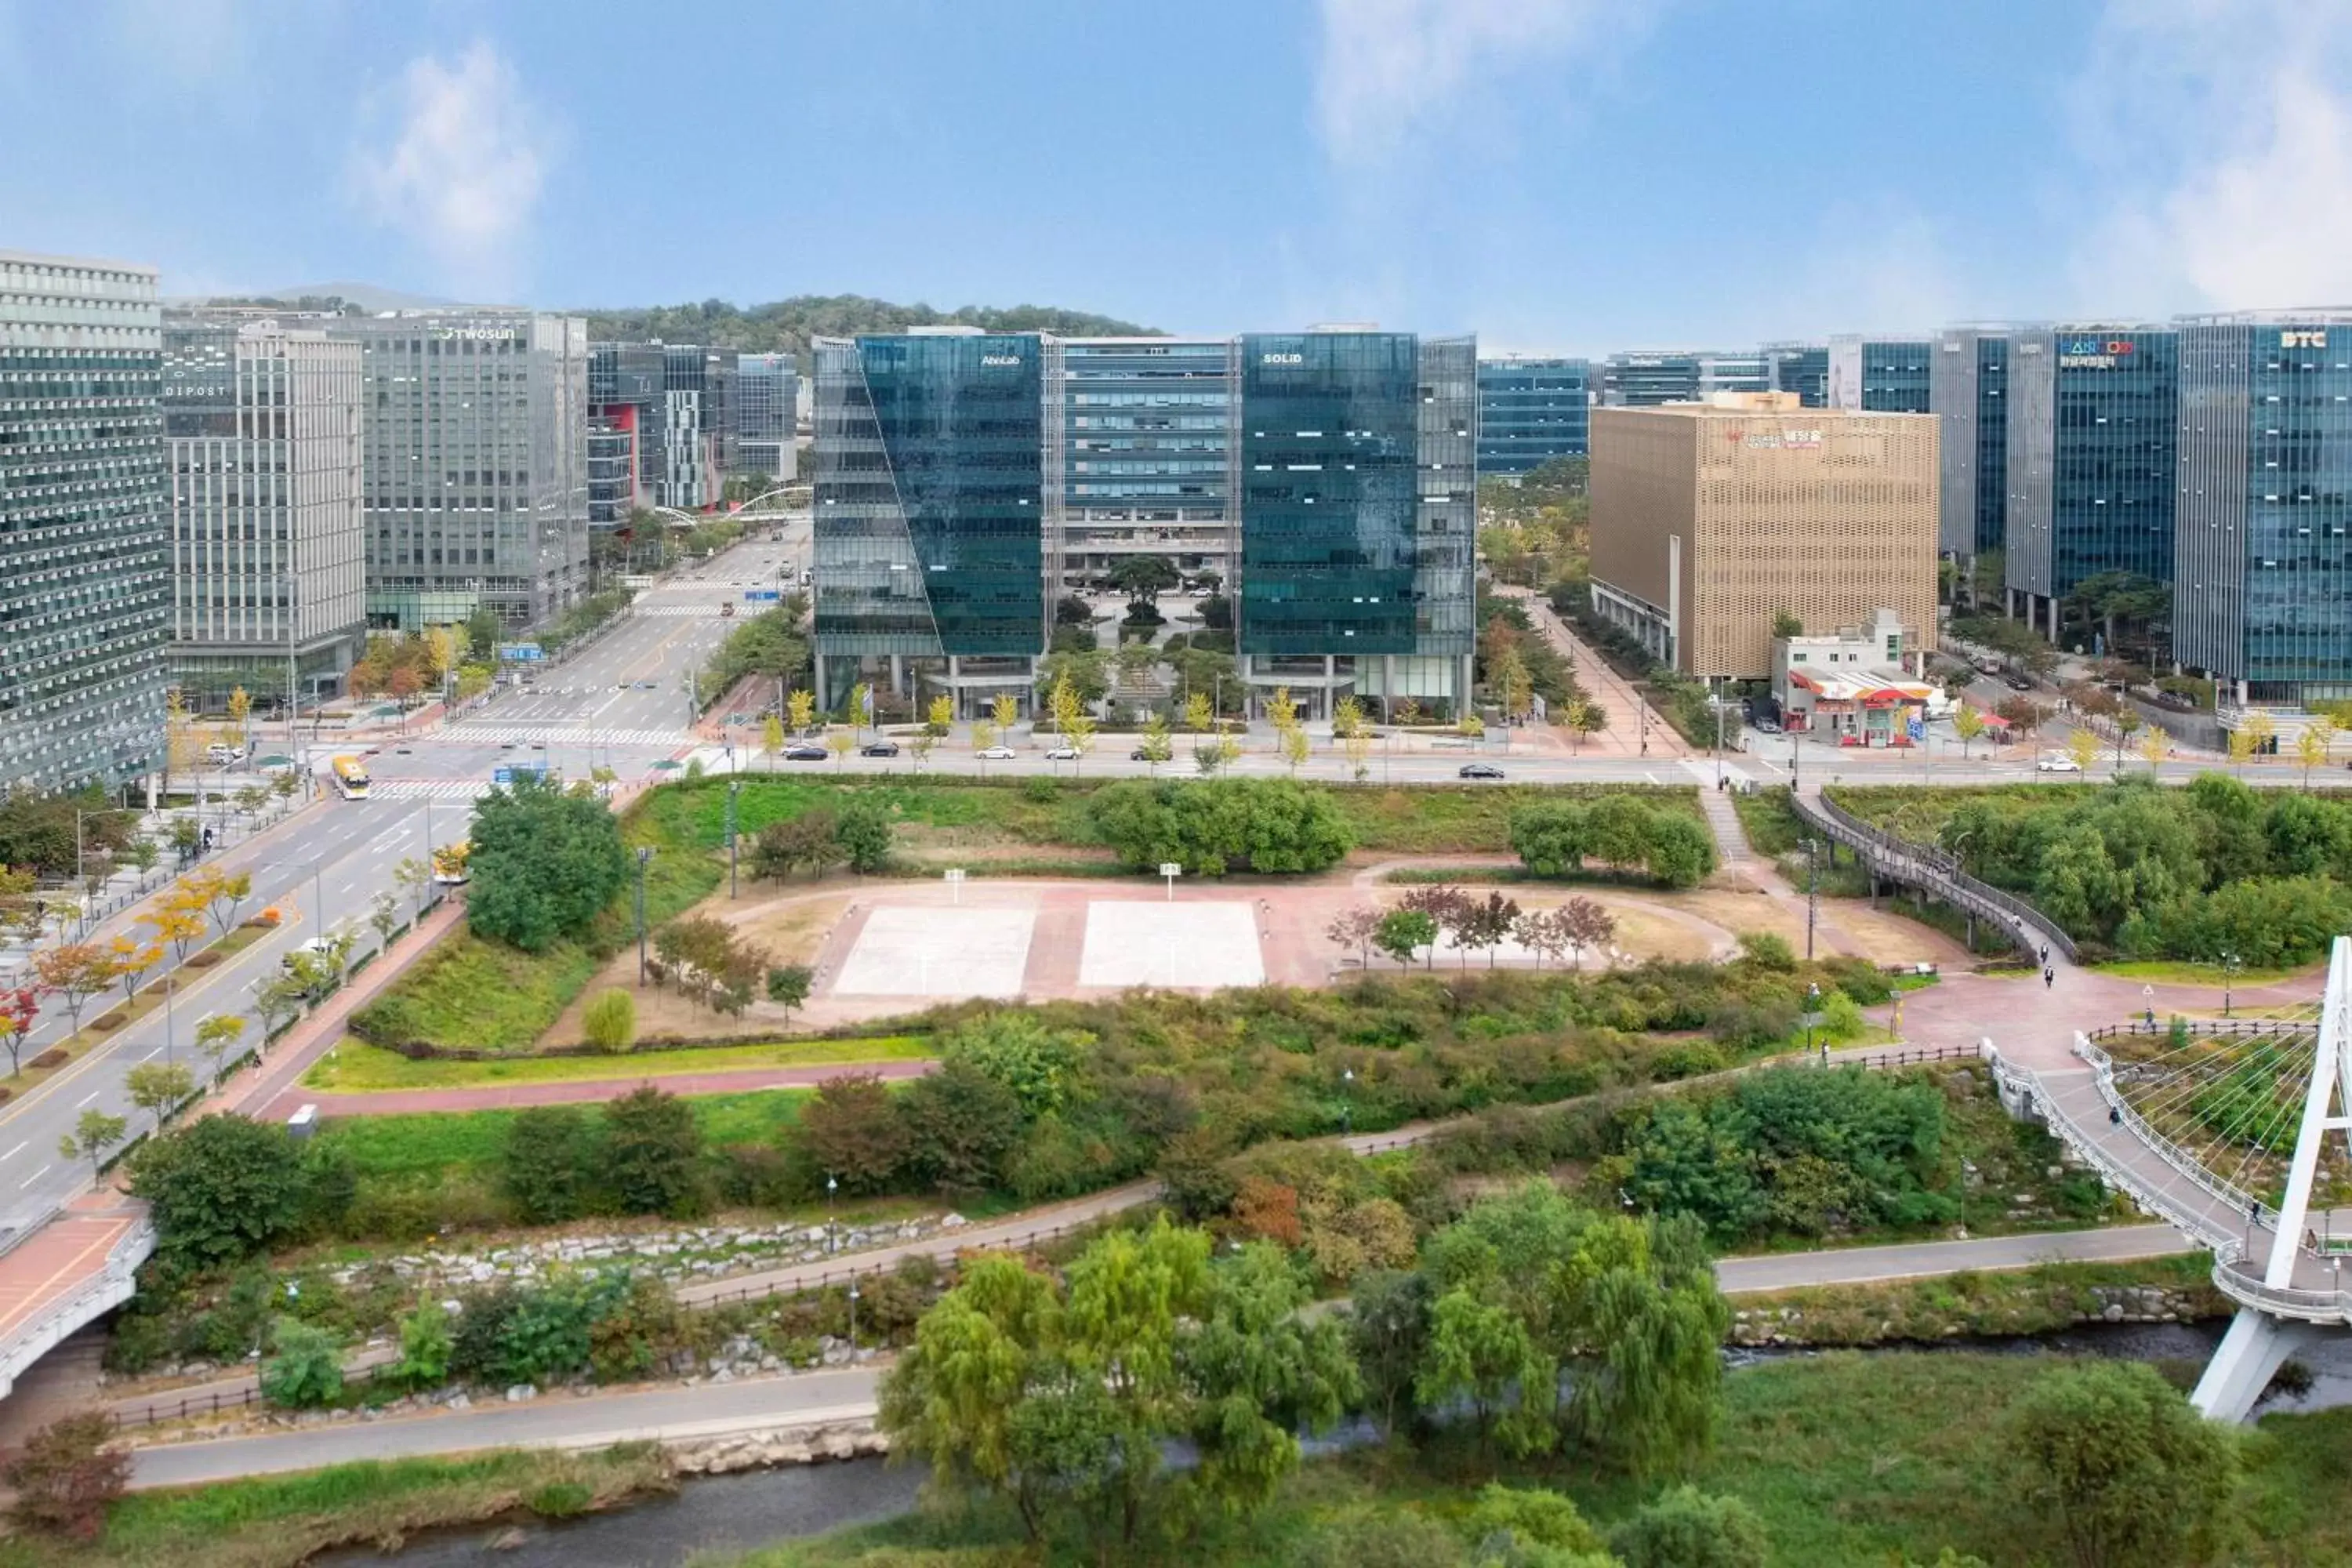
x=734, y=1513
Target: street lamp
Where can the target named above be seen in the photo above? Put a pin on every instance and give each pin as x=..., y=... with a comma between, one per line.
x=1812, y=1018
x=955, y=884
x=853, y=1316
x=2230, y=965
x=832, y=1210
x=644, y=858
x=1813, y=894
x=1346, y=1105
x=734, y=788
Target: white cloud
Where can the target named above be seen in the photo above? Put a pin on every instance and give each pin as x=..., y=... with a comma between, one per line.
x=1388, y=68
x=463, y=168
x=2217, y=136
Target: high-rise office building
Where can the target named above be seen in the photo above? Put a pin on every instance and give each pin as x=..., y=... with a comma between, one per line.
x=1140, y=454
x=1359, y=473
x=1969, y=390
x=1531, y=411
x=767, y=397
x=1801, y=368
x=477, y=427
x=929, y=479
x=2262, y=596
x=670, y=405
x=2093, y=432
x=262, y=429
x=1644, y=379
x=1711, y=519
x=85, y=598
x=1880, y=375
x=959, y=475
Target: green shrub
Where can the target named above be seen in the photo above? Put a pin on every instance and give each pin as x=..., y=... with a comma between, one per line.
x=1212, y=826
x=1766, y=949
x=609, y=1022
x=1686, y=1528
x=305, y=1369
x=560, y=1499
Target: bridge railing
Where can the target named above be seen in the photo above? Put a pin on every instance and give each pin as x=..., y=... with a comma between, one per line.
x=113, y=1285
x=2235, y=1278
x=1933, y=869
x=2198, y=1221
x=2222, y=1028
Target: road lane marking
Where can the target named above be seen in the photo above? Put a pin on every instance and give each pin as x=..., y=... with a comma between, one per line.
x=86, y=1098
x=16, y=1151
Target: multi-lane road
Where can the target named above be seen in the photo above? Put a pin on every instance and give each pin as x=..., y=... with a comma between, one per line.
x=324, y=865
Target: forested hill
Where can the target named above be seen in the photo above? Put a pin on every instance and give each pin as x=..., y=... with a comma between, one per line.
x=787, y=325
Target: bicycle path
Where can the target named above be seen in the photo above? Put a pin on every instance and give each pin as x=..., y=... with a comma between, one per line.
x=588, y=1420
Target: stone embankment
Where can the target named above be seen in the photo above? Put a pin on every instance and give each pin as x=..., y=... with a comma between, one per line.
x=1766, y=1326
x=785, y=1445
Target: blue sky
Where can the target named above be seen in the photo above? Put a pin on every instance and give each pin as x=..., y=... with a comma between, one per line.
x=1555, y=174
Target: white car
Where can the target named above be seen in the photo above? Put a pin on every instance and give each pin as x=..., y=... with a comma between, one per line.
x=1062, y=754
x=224, y=756
x=2058, y=766
x=998, y=755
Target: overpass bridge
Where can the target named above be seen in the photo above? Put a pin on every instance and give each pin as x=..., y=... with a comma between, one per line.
x=1887, y=857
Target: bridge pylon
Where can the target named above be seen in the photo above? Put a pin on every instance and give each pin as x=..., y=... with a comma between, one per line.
x=2296, y=1293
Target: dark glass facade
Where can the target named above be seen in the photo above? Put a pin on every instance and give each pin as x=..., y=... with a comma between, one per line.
x=1329, y=427
x=2263, y=593
x=1882, y=375
x=1531, y=411
x=1801, y=368
x=930, y=496
x=2092, y=433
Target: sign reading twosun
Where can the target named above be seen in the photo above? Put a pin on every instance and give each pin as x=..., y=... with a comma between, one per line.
x=521, y=652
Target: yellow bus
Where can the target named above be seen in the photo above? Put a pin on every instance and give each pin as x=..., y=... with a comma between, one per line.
x=351, y=778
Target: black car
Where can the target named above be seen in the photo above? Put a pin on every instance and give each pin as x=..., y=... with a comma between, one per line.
x=878, y=749
x=1139, y=755
x=1480, y=771
x=2017, y=683
x=805, y=754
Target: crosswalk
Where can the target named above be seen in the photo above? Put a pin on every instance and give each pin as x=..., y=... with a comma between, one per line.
x=707, y=610
x=559, y=733
x=429, y=789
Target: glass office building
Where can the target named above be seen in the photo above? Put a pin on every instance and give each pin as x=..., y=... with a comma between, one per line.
x=1876, y=375
x=261, y=426
x=2093, y=432
x=930, y=481
x=1645, y=380
x=1801, y=368
x=1967, y=392
x=962, y=479
x=1143, y=436
x=2263, y=538
x=85, y=596
x=1531, y=411
x=767, y=397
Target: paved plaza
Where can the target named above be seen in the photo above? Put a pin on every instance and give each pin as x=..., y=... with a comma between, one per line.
x=912, y=949
x=1189, y=946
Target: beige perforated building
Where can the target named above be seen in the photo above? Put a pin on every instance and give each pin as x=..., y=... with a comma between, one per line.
x=1709, y=519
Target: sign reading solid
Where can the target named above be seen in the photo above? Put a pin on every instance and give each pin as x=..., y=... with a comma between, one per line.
x=507, y=774
x=521, y=652
x=761, y=596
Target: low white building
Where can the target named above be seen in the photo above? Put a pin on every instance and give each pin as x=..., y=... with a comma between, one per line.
x=1856, y=685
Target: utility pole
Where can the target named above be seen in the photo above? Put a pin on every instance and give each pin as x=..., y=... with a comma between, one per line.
x=1813, y=895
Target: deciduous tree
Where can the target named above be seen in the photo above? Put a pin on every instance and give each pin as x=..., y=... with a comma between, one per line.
x=2117, y=1464
x=543, y=864
x=61, y=1481
x=73, y=972
x=850, y=1130
x=159, y=1088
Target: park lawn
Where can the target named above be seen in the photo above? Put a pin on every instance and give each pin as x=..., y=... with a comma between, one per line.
x=1851, y=1461
x=440, y=1148
x=278, y=1521
x=355, y=1067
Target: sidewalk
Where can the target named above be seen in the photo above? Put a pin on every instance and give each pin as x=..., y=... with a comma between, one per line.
x=1605, y=687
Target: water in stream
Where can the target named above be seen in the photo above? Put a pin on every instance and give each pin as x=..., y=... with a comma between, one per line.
x=737, y=1512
